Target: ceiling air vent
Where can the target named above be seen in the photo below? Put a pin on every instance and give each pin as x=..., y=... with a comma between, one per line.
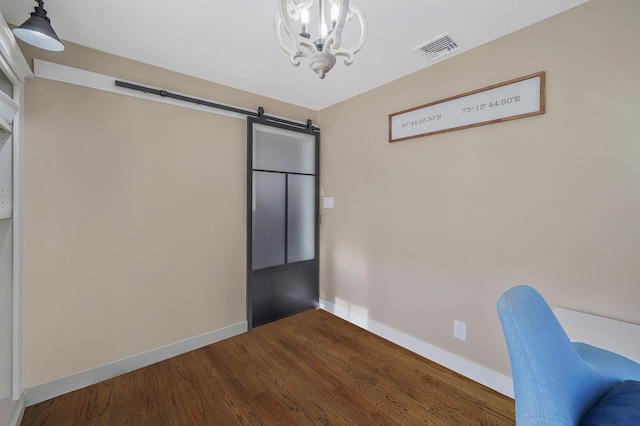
x=443, y=45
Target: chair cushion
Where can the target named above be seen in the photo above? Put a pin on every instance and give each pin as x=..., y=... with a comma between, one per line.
x=620, y=407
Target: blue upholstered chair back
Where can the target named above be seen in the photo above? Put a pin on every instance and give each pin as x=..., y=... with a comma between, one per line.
x=552, y=382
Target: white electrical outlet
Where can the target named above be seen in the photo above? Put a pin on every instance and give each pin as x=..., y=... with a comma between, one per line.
x=460, y=330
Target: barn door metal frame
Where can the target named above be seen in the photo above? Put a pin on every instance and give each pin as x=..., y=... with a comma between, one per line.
x=308, y=129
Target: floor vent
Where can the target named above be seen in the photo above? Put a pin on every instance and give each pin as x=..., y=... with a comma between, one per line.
x=443, y=45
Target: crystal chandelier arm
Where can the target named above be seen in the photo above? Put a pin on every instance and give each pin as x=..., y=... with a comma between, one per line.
x=348, y=53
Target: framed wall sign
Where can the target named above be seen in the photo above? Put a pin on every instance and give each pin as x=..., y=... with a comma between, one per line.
x=517, y=98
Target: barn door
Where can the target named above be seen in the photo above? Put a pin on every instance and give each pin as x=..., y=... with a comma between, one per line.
x=282, y=221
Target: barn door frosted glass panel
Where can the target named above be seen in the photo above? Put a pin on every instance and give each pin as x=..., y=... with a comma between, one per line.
x=269, y=218
x=283, y=151
x=301, y=241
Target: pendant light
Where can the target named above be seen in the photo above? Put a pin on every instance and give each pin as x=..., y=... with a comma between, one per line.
x=38, y=32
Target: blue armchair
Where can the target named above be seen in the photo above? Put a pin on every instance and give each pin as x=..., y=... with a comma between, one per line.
x=557, y=382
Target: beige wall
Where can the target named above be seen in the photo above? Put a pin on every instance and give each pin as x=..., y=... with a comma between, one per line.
x=134, y=216
x=433, y=229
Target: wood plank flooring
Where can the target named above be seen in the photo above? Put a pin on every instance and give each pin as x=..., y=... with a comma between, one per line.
x=311, y=368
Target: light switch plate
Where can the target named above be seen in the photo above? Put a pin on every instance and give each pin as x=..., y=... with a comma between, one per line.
x=327, y=202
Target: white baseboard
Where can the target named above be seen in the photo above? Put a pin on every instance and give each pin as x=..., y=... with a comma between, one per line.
x=92, y=376
x=475, y=372
x=18, y=412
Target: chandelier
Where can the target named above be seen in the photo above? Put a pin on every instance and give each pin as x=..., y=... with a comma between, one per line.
x=293, y=32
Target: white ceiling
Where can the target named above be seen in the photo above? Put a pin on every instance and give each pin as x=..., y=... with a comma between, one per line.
x=232, y=42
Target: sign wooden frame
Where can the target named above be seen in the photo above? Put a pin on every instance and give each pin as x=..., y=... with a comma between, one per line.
x=513, y=99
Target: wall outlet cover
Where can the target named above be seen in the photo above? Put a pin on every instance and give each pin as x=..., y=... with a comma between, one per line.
x=460, y=330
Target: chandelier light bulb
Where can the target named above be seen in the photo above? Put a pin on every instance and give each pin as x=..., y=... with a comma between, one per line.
x=292, y=32
x=304, y=19
x=335, y=11
x=304, y=16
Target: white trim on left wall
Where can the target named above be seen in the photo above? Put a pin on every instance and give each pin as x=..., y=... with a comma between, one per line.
x=18, y=412
x=18, y=238
x=92, y=376
x=15, y=67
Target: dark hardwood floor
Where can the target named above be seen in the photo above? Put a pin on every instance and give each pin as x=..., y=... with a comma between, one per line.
x=311, y=368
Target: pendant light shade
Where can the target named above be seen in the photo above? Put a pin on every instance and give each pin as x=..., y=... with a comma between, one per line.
x=38, y=32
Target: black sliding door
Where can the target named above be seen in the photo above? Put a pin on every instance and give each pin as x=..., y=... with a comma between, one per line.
x=282, y=221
